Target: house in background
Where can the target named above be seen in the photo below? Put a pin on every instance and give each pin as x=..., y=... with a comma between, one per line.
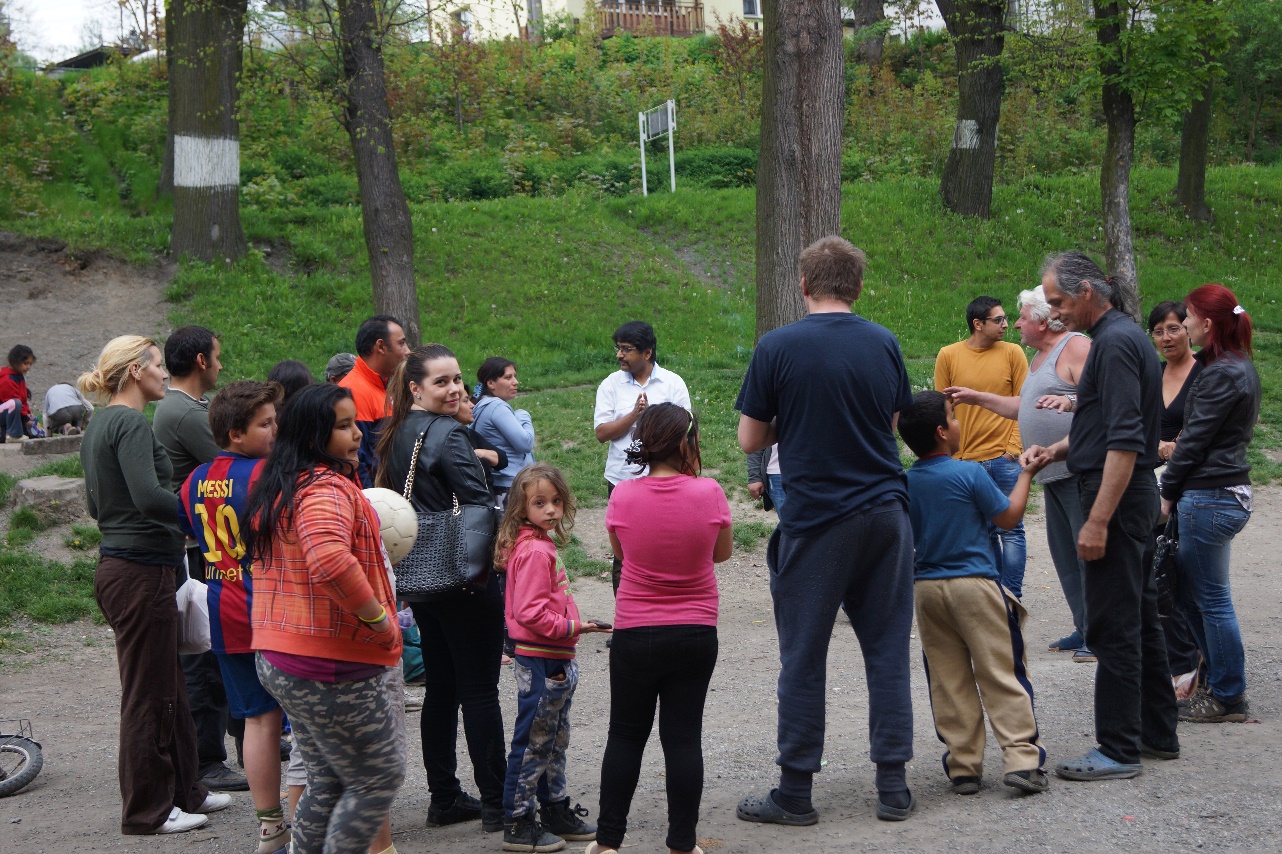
x=498, y=19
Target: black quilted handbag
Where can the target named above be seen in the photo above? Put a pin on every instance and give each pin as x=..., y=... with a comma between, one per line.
x=1165, y=573
x=454, y=549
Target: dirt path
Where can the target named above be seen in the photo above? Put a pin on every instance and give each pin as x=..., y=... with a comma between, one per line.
x=1217, y=798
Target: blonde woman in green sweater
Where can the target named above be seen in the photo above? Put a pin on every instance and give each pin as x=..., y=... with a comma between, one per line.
x=127, y=487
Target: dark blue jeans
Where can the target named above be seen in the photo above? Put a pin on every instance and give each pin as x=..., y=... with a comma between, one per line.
x=669, y=667
x=1134, y=700
x=1009, y=547
x=13, y=427
x=864, y=563
x=1209, y=520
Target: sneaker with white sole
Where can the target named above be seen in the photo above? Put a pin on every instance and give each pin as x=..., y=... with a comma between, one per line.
x=181, y=822
x=214, y=802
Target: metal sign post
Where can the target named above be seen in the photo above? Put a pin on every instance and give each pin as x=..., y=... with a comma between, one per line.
x=651, y=125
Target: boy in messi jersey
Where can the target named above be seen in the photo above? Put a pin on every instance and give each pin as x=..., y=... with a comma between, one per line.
x=243, y=421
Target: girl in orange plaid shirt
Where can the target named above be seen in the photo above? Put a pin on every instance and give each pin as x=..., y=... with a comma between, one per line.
x=324, y=632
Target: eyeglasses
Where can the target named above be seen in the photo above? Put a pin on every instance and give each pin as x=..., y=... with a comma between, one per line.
x=1167, y=331
x=625, y=349
x=999, y=319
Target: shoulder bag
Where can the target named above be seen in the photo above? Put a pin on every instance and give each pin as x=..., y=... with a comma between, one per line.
x=454, y=549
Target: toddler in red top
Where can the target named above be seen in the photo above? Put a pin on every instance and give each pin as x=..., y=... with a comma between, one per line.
x=15, y=397
x=544, y=624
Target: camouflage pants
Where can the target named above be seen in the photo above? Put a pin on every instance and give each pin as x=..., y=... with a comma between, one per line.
x=536, y=765
x=352, y=739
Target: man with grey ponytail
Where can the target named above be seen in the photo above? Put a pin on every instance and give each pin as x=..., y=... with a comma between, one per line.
x=1112, y=448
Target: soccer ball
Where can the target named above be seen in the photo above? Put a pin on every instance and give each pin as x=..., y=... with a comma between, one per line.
x=397, y=522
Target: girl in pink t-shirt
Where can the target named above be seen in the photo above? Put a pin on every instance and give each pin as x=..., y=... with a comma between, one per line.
x=668, y=528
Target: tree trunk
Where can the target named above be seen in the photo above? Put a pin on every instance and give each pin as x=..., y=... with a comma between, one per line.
x=799, y=164
x=165, y=183
x=204, y=44
x=1115, y=171
x=389, y=237
x=1195, y=135
x=867, y=14
x=976, y=27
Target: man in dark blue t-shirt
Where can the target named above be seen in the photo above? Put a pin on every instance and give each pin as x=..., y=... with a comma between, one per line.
x=827, y=388
x=1112, y=448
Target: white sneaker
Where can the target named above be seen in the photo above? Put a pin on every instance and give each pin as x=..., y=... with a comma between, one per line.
x=181, y=822
x=214, y=802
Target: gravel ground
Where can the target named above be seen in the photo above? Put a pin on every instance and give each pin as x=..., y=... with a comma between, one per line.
x=1218, y=797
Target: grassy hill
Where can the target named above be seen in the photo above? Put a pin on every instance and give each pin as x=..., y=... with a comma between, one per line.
x=545, y=282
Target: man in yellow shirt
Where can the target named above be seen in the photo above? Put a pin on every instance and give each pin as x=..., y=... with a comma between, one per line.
x=984, y=362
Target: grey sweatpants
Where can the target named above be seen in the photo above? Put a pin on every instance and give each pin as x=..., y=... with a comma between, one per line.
x=352, y=737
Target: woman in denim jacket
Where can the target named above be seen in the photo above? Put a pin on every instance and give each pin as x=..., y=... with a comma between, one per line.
x=1208, y=484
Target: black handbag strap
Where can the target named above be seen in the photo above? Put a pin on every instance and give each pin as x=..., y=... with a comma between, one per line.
x=409, y=478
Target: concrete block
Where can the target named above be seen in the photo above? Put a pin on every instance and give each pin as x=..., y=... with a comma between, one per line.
x=55, y=500
x=52, y=445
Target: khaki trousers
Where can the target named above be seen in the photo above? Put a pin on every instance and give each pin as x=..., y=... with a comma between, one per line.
x=973, y=643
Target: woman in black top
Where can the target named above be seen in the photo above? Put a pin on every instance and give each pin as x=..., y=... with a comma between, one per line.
x=462, y=630
x=1166, y=325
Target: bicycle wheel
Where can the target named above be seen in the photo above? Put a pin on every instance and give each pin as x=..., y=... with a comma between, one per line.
x=20, y=762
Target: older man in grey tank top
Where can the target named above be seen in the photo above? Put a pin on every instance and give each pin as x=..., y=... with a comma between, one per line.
x=1044, y=410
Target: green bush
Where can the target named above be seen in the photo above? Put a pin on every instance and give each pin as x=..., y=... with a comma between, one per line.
x=718, y=168
x=329, y=190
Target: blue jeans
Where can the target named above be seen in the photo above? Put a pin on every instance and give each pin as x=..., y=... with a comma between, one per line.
x=536, y=765
x=1208, y=521
x=774, y=485
x=13, y=427
x=1009, y=547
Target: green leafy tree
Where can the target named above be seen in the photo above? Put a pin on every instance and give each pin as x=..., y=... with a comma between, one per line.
x=1152, y=58
x=1254, y=64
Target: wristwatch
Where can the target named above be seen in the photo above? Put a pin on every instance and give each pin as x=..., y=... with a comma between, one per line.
x=1072, y=402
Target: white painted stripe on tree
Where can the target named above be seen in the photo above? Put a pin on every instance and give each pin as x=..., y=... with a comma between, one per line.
x=966, y=134
x=206, y=162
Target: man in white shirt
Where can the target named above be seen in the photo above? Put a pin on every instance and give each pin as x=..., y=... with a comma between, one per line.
x=624, y=395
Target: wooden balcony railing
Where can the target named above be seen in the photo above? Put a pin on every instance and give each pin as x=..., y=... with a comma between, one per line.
x=656, y=18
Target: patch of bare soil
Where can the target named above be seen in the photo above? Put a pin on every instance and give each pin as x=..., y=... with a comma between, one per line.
x=1217, y=797
x=66, y=306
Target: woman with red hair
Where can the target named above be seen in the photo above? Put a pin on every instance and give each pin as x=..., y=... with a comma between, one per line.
x=1208, y=484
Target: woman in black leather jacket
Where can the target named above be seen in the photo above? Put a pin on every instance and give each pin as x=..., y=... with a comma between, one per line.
x=462, y=630
x=1208, y=484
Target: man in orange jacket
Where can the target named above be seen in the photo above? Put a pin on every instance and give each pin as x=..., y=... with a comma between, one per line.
x=380, y=348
